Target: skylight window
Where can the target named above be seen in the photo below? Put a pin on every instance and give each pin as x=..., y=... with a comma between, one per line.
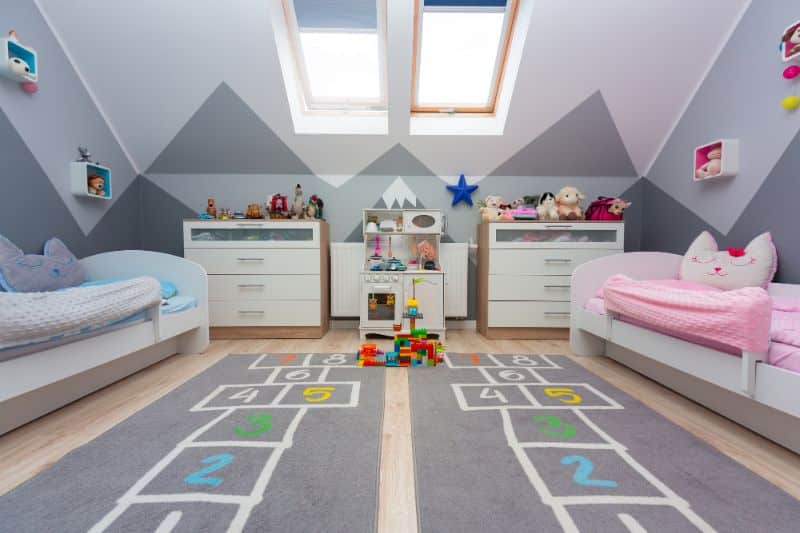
x=340, y=51
x=460, y=53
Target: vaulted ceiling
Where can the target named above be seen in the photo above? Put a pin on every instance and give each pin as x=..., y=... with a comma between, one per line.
x=150, y=65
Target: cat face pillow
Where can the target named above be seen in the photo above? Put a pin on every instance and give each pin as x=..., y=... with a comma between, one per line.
x=56, y=269
x=734, y=268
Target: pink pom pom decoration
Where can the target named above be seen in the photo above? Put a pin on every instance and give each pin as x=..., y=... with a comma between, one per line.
x=29, y=87
x=791, y=72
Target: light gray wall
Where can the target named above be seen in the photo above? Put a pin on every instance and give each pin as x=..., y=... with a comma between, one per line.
x=58, y=118
x=739, y=99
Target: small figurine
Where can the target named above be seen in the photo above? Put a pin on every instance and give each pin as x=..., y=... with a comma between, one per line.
x=254, y=211
x=96, y=184
x=278, y=206
x=314, y=207
x=297, y=205
x=568, y=204
x=211, y=210
x=86, y=157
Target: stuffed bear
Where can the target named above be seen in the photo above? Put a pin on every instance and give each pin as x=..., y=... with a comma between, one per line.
x=547, y=207
x=490, y=210
x=96, y=185
x=568, y=204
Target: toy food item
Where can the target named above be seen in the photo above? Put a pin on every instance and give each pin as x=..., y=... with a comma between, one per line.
x=568, y=204
x=96, y=184
x=547, y=207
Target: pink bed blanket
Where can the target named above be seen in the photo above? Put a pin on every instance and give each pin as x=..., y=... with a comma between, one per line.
x=732, y=321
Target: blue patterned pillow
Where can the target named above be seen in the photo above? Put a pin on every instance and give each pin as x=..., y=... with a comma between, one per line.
x=56, y=269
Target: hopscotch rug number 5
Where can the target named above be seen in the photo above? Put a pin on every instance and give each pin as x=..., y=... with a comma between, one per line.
x=538, y=443
x=274, y=442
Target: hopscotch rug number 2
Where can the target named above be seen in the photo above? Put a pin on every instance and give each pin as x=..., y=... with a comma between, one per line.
x=276, y=442
x=538, y=443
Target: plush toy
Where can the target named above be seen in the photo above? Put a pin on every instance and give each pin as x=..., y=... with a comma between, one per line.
x=297, y=210
x=605, y=208
x=713, y=166
x=791, y=41
x=547, y=207
x=490, y=208
x=96, y=185
x=568, y=204
x=314, y=207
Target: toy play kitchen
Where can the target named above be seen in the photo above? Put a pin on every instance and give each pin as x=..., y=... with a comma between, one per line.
x=399, y=246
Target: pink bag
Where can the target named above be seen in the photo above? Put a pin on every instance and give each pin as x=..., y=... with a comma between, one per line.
x=598, y=210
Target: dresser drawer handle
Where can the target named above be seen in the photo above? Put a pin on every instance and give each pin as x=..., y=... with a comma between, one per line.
x=558, y=226
x=243, y=312
x=251, y=285
x=556, y=313
x=556, y=286
x=261, y=259
x=250, y=225
x=557, y=260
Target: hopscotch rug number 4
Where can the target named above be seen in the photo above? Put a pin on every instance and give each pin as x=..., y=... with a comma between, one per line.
x=274, y=442
x=537, y=443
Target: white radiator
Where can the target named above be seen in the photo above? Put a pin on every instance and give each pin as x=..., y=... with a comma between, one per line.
x=346, y=263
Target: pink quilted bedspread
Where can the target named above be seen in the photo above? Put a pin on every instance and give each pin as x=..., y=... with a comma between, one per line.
x=731, y=321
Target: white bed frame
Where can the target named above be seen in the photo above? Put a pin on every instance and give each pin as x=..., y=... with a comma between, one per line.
x=757, y=395
x=35, y=384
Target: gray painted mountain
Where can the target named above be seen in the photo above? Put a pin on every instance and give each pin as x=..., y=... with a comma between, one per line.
x=225, y=136
x=35, y=212
x=584, y=142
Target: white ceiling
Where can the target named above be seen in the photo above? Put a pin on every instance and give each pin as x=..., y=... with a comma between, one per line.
x=150, y=64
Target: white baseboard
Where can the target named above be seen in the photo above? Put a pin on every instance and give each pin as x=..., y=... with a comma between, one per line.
x=352, y=323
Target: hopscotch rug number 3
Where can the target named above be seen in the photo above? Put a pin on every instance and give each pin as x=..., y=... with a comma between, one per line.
x=537, y=443
x=275, y=442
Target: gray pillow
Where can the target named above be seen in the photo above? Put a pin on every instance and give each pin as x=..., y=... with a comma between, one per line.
x=56, y=269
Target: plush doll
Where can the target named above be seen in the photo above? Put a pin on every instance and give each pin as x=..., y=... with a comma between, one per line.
x=568, y=204
x=547, y=207
x=713, y=166
x=791, y=41
x=490, y=208
x=96, y=185
x=297, y=205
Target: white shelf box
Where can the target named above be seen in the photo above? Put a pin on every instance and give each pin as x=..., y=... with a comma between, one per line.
x=82, y=172
x=11, y=50
x=727, y=165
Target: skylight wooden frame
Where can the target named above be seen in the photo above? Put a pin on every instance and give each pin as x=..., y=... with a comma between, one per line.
x=500, y=63
x=355, y=105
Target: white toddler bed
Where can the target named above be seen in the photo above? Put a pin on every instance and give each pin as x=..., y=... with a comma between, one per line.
x=34, y=384
x=744, y=388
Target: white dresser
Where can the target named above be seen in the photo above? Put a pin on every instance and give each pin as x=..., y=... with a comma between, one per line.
x=524, y=272
x=266, y=278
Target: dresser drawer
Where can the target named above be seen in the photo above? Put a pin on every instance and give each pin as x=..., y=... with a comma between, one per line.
x=556, y=262
x=244, y=261
x=259, y=287
x=528, y=314
x=562, y=234
x=517, y=287
x=228, y=313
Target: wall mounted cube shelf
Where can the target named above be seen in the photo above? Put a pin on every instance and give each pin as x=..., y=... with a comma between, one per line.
x=26, y=66
x=716, y=159
x=86, y=178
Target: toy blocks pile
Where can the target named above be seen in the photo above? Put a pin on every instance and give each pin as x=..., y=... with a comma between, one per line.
x=410, y=349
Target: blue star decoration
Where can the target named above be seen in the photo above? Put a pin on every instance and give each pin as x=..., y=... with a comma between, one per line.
x=462, y=191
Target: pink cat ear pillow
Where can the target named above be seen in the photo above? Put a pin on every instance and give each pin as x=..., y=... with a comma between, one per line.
x=733, y=268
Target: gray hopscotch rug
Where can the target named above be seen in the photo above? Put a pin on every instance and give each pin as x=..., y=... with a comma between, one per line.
x=282, y=443
x=538, y=443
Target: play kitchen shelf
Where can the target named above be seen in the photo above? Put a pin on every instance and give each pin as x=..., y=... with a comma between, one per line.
x=525, y=270
x=266, y=278
x=399, y=246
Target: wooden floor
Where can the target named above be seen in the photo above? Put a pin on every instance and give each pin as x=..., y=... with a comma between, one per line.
x=34, y=447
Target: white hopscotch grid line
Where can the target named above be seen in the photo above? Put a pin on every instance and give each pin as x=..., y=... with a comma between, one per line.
x=245, y=503
x=560, y=504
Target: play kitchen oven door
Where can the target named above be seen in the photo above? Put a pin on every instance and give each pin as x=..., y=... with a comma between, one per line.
x=381, y=301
